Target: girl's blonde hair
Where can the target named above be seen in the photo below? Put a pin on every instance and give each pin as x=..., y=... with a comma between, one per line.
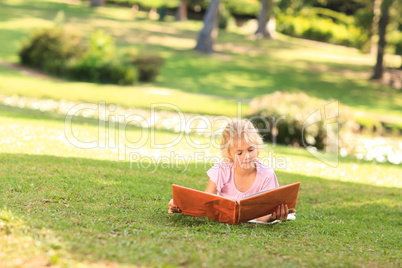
x=235, y=131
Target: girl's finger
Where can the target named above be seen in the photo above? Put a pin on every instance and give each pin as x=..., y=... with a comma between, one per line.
x=286, y=211
x=282, y=211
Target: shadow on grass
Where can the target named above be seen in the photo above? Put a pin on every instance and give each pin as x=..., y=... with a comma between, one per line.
x=105, y=211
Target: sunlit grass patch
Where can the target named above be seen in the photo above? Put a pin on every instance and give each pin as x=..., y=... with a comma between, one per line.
x=13, y=82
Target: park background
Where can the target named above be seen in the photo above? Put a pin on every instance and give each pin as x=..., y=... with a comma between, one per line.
x=65, y=205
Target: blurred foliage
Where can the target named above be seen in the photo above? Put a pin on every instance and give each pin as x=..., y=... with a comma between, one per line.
x=224, y=17
x=64, y=53
x=322, y=25
x=51, y=49
x=100, y=50
x=394, y=40
x=101, y=46
x=370, y=125
x=148, y=65
x=348, y=7
x=243, y=7
x=106, y=72
x=149, y=3
x=99, y=65
x=394, y=34
x=280, y=117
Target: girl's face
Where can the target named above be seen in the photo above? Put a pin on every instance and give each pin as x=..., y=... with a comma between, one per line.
x=243, y=154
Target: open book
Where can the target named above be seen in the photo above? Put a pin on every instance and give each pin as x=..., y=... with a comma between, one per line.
x=214, y=207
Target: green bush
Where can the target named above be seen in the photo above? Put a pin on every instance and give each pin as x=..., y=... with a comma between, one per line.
x=63, y=53
x=148, y=65
x=99, y=63
x=280, y=117
x=224, y=17
x=51, y=49
x=101, y=46
x=322, y=25
x=394, y=40
x=106, y=72
x=243, y=7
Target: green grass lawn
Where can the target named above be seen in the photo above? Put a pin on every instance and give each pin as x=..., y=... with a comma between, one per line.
x=241, y=68
x=75, y=210
x=69, y=206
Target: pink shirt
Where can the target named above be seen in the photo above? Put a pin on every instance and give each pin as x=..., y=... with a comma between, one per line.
x=223, y=175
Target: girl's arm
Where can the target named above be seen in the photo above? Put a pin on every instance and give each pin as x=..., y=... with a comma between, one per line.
x=211, y=187
x=266, y=218
x=280, y=214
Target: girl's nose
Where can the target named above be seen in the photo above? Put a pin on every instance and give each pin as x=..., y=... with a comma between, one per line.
x=247, y=155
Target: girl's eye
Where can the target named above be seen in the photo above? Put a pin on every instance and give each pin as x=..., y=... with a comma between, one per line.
x=251, y=150
x=238, y=153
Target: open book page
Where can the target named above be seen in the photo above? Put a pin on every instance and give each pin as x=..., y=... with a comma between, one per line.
x=202, y=204
x=267, y=202
x=265, y=191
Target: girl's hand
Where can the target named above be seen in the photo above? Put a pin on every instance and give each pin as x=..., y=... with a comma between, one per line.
x=281, y=213
x=173, y=208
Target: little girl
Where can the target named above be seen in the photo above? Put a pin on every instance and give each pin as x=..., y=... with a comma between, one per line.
x=240, y=174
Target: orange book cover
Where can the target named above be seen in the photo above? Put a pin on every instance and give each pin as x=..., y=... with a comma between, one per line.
x=218, y=208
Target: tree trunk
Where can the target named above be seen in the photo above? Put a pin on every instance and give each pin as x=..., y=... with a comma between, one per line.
x=266, y=21
x=181, y=13
x=382, y=29
x=97, y=3
x=210, y=30
x=374, y=26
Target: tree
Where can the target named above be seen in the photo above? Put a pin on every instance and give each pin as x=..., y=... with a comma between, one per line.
x=382, y=29
x=181, y=13
x=374, y=26
x=266, y=21
x=209, y=32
